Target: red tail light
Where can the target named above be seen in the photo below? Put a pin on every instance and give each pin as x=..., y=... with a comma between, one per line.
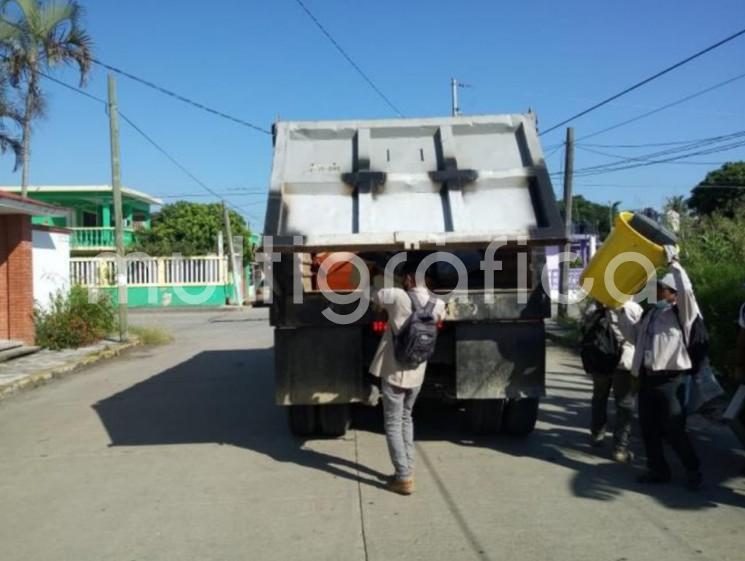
x=379, y=326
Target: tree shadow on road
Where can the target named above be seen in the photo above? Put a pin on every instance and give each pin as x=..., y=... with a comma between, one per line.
x=223, y=397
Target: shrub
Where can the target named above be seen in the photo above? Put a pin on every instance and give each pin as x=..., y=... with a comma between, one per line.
x=151, y=336
x=713, y=252
x=72, y=321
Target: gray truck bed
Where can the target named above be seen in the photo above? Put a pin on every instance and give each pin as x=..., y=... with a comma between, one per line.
x=409, y=184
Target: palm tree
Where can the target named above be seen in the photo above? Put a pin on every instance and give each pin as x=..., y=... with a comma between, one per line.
x=36, y=36
x=8, y=142
x=677, y=203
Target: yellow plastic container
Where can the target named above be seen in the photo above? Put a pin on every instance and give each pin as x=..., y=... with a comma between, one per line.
x=631, y=255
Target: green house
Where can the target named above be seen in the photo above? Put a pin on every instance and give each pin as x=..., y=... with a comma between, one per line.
x=91, y=213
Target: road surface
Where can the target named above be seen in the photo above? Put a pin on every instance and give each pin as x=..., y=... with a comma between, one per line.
x=178, y=453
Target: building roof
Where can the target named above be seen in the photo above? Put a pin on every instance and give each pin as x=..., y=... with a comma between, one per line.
x=10, y=203
x=131, y=193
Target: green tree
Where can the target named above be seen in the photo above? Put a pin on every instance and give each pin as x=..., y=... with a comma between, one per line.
x=592, y=216
x=35, y=37
x=8, y=115
x=190, y=229
x=722, y=190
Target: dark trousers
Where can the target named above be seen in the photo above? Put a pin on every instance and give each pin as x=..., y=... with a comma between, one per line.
x=620, y=383
x=662, y=417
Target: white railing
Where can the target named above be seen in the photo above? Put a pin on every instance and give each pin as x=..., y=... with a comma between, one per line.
x=150, y=271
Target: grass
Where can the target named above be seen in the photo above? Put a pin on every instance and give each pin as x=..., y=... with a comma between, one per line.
x=151, y=336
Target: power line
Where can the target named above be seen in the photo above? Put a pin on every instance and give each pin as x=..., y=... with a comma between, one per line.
x=627, y=159
x=645, y=81
x=667, y=106
x=197, y=195
x=715, y=144
x=643, y=145
x=349, y=58
x=74, y=89
x=668, y=187
x=180, y=97
x=149, y=139
x=609, y=168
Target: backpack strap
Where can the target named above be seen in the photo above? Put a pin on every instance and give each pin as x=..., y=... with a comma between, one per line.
x=417, y=307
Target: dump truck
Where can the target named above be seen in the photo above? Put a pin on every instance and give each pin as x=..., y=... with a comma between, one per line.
x=455, y=186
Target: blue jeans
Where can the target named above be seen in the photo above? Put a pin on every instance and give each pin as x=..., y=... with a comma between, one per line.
x=398, y=404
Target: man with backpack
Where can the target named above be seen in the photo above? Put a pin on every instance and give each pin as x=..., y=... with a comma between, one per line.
x=400, y=362
x=671, y=344
x=607, y=355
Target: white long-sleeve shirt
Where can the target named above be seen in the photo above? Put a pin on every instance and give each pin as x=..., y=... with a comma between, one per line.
x=398, y=305
x=663, y=333
x=623, y=322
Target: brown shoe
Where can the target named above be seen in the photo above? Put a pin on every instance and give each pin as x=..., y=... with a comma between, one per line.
x=400, y=486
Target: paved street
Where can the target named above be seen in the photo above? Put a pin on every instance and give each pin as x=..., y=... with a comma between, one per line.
x=178, y=453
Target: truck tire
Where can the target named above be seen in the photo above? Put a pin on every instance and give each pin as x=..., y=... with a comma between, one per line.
x=520, y=416
x=302, y=419
x=334, y=420
x=485, y=415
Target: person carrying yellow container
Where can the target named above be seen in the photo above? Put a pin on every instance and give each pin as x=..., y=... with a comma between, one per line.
x=661, y=363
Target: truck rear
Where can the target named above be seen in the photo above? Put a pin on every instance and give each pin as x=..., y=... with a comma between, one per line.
x=472, y=196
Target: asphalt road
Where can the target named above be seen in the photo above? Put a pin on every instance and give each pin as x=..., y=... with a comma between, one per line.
x=179, y=453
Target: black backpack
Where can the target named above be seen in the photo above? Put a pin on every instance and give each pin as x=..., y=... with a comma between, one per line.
x=601, y=350
x=415, y=341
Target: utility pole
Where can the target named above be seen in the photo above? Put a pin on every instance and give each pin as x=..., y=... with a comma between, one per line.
x=454, y=96
x=238, y=297
x=568, y=176
x=116, y=186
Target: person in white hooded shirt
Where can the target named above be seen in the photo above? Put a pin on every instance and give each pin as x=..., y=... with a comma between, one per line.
x=661, y=363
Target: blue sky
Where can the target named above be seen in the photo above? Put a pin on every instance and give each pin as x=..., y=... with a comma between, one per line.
x=259, y=59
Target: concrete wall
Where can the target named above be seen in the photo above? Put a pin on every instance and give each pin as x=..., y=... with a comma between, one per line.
x=174, y=296
x=51, y=258
x=16, y=279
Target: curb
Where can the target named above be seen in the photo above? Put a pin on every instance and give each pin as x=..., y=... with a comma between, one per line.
x=43, y=376
x=186, y=309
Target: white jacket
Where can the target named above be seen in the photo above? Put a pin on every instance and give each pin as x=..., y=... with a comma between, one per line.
x=662, y=334
x=624, y=321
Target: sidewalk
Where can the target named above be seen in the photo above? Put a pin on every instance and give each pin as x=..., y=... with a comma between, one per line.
x=40, y=367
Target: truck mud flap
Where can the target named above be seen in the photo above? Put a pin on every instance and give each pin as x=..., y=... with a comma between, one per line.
x=318, y=365
x=500, y=360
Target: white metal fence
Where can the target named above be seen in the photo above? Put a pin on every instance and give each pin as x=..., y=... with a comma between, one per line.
x=150, y=271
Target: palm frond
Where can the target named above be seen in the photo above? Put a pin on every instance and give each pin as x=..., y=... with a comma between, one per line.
x=12, y=144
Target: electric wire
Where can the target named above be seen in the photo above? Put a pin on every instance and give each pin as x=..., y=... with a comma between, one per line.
x=644, y=81
x=349, y=59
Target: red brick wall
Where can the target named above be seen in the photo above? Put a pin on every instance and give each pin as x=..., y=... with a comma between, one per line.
x=16, y=279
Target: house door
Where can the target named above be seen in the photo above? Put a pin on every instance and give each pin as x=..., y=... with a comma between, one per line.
x=90, y=219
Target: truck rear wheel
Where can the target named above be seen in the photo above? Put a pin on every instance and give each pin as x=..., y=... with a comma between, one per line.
x=520, y=416
x=485, y=415
x=302, y=419
x=334, y=419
